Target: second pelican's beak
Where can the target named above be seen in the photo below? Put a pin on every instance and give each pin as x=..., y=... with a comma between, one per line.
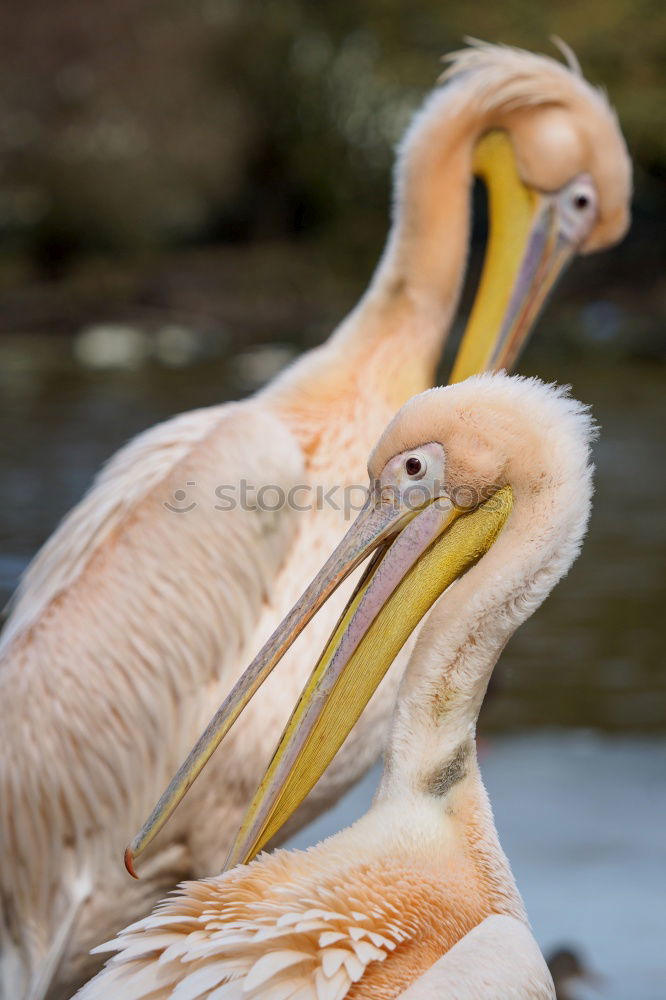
x=400, y=538
x=529, y=246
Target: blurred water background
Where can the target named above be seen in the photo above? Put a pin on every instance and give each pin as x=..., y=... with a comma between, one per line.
x=193, y=193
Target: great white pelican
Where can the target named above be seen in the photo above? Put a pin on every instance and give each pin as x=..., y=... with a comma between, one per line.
x=417, y=896
x=136, y=617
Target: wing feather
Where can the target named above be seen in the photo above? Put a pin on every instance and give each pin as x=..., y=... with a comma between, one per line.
x=130, y=615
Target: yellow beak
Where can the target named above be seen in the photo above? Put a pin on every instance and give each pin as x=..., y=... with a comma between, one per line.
x=527, y=251
x=417, y=556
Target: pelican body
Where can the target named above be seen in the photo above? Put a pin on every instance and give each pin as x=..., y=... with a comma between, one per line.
x=417, y=898
x=136, y=604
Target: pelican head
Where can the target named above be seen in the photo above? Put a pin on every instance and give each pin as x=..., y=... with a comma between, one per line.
x=444, y=479
x=549, y=149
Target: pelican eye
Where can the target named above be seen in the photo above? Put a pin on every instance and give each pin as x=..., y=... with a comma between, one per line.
x=577, y=209
x=414, y=467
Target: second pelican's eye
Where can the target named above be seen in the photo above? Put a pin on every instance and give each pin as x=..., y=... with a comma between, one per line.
x=414, y=466
x=577, y=208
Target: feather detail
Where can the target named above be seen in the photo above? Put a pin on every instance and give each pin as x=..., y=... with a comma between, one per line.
x=122, y=483
x=505, y=77
x=270, y=965
x=230, y=935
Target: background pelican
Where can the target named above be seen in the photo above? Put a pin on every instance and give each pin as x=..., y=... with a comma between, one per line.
x=131, y=604
x=368, y=911
x=569, y=971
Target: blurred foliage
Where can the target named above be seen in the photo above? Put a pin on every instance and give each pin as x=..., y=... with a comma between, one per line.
x=133, y=125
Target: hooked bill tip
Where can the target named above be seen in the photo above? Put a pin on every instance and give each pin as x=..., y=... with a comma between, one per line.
x=129, y=862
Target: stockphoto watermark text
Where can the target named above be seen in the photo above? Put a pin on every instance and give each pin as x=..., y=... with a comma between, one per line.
x=303, y=497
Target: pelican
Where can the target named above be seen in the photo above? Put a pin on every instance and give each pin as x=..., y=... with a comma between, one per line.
x=419, y=886
x=152, y=593
x=569, y=970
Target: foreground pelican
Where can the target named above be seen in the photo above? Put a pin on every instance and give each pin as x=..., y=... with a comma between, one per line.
x=132, y=604
x=422, y=875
